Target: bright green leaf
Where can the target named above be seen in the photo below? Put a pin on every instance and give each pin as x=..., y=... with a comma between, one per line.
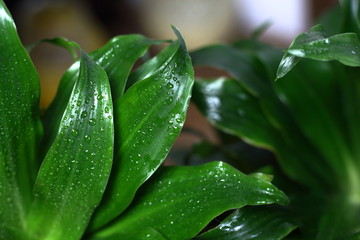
x=148, y=117
x=20, y=128
x=250, y=223
x=117, y=58
x=180, y=201
x=74, y=174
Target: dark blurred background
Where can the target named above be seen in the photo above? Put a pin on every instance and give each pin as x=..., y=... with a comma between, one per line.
x=92, y=23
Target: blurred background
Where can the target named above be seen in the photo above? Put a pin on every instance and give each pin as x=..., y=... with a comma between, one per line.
x=202, y=22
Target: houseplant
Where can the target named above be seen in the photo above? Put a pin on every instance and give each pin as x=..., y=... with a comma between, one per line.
x=309, y=118
x=89, y=167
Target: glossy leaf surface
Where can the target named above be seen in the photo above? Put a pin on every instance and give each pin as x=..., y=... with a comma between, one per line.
x=289, y=60
x=149, y=117
x=241, y=66
x=231, y=108
x=117, y=58
x=180, y=201
x=248, y=223
x=61, y=42
x=342, y=47
x=74, y=174
x=314, y=44
x=20, y=128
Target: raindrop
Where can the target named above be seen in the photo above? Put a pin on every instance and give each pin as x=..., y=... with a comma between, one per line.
x=75, y=132
x=170, y=85
x=87, y=138
x=83, y=114
x=92, y=121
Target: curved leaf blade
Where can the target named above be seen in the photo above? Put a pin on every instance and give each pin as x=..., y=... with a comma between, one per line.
x=20, y=128
x=248, y=223
x=148, y=118
x=117, y=58
x=232, y=109
x=241, y=66
x=74, y=174
x=344, y=48
x=288, y=61
x=180, y=201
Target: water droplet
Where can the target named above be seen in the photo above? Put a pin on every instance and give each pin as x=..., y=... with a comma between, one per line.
x=92, y=121
x=87, y=138
x=75, y=132
x=170, y=85
x=84, y=114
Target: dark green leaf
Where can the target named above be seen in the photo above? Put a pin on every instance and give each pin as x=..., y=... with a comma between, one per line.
x=240, y=65
x=231, y=108
x=180, y=201
x=148, y=118
x=340, y=220
x=74, y=174
x=20, y=128
x=117, y=58
x=268, y=55
x=260, y=223
x=350, y=16
x=289, y=60
x=224, y=102
x=312, y=92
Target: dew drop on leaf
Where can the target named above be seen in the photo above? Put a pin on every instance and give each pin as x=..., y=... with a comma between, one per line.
x=84, y=114
x=92, y=121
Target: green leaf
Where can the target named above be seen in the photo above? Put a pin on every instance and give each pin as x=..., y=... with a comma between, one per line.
x=269, y=56
x=239, y=65
x=260, y=222
x=180, y=201
x=61, y=42
x=322, y=118
x=117, y=58
x=232, y=109
x=350, y=18
x=20, y=128
x=289, y=60
x=149, y=67
x=340, y=220
x=344, y=48
x=148, y=118
x=74, y=174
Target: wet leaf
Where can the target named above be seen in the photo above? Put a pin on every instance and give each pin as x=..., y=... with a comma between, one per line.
x=20, y=128
x=344, y=48
x=247, y=223
x=232, y=109
x=180, y=201
x=148, y=119
x=289, y=60
x=74, y=174
x=117, y=58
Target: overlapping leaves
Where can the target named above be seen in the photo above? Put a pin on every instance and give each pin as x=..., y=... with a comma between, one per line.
x=101, y=143
x=309, y=118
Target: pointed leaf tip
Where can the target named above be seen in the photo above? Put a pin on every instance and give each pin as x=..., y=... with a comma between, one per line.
x=179, y=36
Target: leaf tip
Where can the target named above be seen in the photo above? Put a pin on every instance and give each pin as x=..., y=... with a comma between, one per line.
x=179, y=36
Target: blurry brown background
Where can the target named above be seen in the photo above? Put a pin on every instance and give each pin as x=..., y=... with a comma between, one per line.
x=202, y=22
